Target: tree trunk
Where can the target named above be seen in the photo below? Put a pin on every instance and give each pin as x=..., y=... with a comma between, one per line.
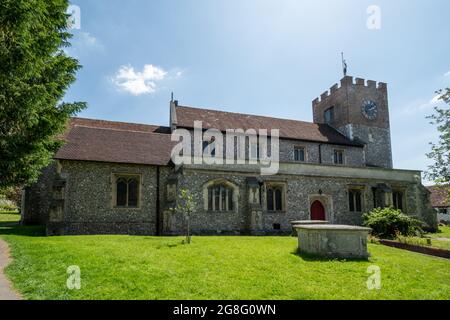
x=188, y=236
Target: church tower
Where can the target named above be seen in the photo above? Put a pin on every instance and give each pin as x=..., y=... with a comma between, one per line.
x=359, y=110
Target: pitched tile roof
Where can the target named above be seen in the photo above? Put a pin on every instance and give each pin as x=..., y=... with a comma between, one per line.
x=289, y=129
x=106, y=124
x=109, y=141
x=439, y=196
x=121, y=142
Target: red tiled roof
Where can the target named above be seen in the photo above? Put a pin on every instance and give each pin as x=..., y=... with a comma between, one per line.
x=289, y=129
x=109, y=141
x=439, y=196
x=106, y=124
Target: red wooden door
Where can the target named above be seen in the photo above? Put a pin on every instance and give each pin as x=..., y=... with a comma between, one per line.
x=317, y=211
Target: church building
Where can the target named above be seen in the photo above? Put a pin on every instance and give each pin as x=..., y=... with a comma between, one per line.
x=119, y=178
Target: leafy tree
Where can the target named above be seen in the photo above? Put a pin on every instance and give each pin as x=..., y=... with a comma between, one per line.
x=439, y=171
x=35, y=73
x=185, y=206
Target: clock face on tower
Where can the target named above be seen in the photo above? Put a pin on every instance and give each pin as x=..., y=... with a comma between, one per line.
x=369, y=109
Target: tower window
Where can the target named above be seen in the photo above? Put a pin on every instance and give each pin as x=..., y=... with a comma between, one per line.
x=329, y=115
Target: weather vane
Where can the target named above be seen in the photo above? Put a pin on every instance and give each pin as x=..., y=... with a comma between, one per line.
x=344, y=64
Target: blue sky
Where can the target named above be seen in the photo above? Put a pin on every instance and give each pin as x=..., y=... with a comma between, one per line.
x=261, y=57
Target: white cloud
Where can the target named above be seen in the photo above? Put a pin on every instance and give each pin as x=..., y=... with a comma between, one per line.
x=139, y=82
x=433, y=102
x=428, y=105
x=84, y=44
x=447, y=74
x=87, y=39
x=419, y=106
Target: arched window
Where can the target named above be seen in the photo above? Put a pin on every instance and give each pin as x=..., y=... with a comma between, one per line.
x=127, y=191
x=275, y=198
x=220, y=195
x=121, y=189
x=220, y=198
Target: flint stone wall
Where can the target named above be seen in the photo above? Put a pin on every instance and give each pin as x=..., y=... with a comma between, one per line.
x=88, y=200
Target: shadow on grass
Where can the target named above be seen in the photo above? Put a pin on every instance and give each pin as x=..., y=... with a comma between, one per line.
x=170, y=245
x=314, y=258
x=14, y=228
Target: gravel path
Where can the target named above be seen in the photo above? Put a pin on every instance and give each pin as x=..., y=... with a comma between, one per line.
x=6, y=290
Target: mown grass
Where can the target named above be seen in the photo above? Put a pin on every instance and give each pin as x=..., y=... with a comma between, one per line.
x=444, y=232
x=137, y=267
x=9, y=212
x=430, y=242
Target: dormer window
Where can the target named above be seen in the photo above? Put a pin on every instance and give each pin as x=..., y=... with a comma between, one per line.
x=329, y=115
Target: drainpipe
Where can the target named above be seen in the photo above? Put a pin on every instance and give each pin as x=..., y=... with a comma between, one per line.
x=158, y=211
x=320, y=153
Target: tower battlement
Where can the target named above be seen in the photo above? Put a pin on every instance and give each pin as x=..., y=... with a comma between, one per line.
x=349, y=81
x=358, y=108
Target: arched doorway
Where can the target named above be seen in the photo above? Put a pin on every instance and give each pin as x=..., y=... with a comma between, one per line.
x=317, y=211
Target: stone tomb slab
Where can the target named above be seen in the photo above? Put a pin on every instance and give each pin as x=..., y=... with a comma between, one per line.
x=303, y=222
x=333, y=241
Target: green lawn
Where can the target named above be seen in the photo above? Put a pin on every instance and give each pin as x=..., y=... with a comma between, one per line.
x=135, y=267
x=443, y=244
x=9, y=216
x=444, y=232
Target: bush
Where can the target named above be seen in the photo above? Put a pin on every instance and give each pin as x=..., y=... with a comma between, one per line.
x=7, y=205
x=386, y=223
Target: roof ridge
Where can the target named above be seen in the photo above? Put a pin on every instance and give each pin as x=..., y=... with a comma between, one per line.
x=247, y=114
x=120, y=122
x=122, y=130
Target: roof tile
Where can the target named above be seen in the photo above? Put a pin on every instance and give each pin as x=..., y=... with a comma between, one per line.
x=107, y=141
x=289, y=129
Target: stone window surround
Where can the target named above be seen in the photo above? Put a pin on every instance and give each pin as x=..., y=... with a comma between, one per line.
x=117, y=175
x=402, y=189
x=344, y=158
x=226, y=183
x=362, y=189
x=305, y=150
x=279, y=184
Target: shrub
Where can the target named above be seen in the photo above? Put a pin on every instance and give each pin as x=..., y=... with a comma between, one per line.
x=386, y=223
x=7, y=205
